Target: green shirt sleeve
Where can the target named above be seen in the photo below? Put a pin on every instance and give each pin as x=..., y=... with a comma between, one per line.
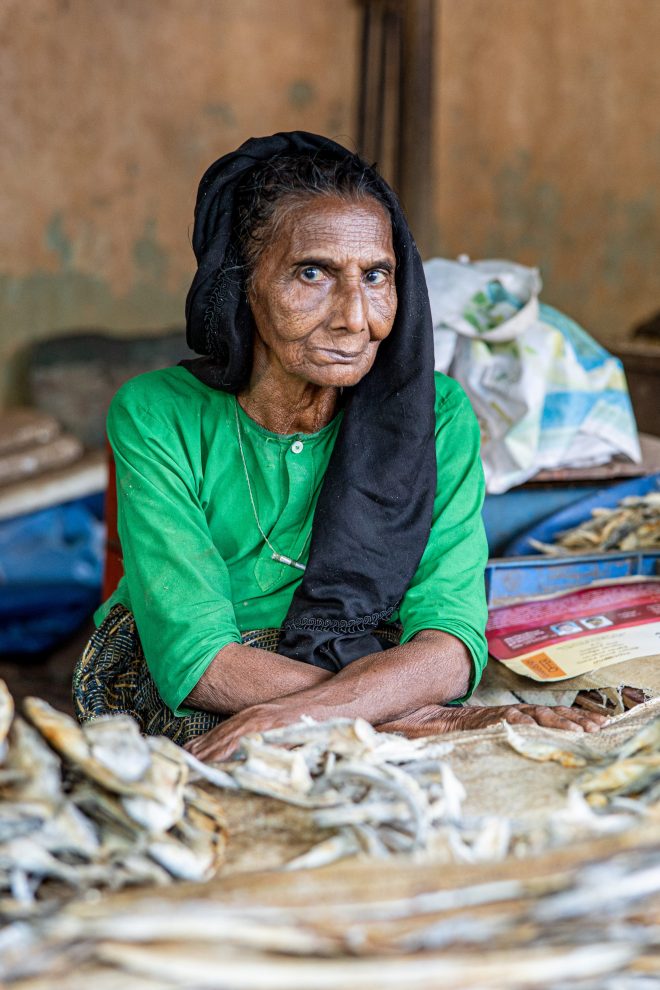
x=178, y=583
x=447, y=591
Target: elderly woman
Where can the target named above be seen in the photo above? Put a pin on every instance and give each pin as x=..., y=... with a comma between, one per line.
x=299, y=509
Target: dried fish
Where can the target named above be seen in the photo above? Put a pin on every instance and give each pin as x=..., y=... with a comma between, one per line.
x=344, y=843
x=115, y=742
x=35, y=768
x=648, y=738
x=68, y=830
x=546, y=924
x=632, y=769
x=623, y=776
x=164, y=783
x=380, y=792
x=119, y=810
x=633, y=524
x=579, y=909
x=490, y=844
x=542, y=749
x=76, y=746
x=180, y=860
x=202, y=771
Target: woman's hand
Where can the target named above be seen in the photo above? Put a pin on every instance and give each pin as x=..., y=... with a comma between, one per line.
x=219, y=743
x=436, y=719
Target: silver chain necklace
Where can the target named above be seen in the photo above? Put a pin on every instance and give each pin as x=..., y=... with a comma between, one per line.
x=276, y=555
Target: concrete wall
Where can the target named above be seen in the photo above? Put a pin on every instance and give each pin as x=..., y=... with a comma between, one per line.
x=547, y=145
x=111, y=112
x=548, y=148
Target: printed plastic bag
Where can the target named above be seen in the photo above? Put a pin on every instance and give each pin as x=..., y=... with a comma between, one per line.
x=546, y=394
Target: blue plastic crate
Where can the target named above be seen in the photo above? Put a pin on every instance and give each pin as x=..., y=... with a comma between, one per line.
x=517, y=577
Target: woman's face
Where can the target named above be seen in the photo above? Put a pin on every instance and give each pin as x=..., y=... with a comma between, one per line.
x=323, y=294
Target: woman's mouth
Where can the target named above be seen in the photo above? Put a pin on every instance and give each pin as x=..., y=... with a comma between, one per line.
x=340, y=357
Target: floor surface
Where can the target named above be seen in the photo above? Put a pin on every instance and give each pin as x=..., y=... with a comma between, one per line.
x=47, y=676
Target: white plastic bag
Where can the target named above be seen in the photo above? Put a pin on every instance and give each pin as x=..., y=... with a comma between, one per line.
x=546, y=394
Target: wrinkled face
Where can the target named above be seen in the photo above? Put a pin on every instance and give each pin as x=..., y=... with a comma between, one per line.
x=322, y=293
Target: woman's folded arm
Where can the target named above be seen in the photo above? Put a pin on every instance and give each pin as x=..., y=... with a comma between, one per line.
x=241, y=676
x=432, y=669
x=405, y=689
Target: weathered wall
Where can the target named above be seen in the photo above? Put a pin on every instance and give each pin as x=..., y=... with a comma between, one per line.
x=548, y=147
x=111, y=112
x=547, y=144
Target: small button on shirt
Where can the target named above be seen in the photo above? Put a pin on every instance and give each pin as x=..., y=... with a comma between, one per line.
x=297, y=447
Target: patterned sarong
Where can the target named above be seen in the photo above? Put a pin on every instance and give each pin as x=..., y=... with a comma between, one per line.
x=112, y=677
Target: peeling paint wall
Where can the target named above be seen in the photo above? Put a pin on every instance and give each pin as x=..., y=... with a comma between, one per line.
x=547, y=145
x=110, y=114
x=548, y=148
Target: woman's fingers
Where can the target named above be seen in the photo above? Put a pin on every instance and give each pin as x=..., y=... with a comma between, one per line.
x=213, y=745
x=552, y=717
x=568, y=719
x=222, y=741
x=590, y=721
x=516, y=716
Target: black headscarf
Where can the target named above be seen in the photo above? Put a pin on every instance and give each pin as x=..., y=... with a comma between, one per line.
x=373, y=516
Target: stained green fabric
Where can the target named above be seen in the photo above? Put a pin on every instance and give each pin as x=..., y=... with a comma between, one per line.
x=197, y=571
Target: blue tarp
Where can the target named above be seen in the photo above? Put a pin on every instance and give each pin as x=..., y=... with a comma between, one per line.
x=51, y=570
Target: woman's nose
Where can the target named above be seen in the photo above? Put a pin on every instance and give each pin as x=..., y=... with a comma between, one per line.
x=353, y=309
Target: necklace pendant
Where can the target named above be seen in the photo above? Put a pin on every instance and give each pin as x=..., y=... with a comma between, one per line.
x=281, y=559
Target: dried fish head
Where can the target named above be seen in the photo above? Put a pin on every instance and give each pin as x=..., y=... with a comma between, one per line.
x=70, y=741
x=647, y=738
x=36, y=768
x=542, y=749
x=58, y=729
x=282, y=766
x=622, y=777
x=181, y=861
x=160, y=805
x=115, y=742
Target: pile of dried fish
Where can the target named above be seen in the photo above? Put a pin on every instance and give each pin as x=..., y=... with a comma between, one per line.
x=584, y=916
x=568, y=897
x=628, y=778
x=379, y=793
x=98, y=806
x=633, y=524
x=612, y=792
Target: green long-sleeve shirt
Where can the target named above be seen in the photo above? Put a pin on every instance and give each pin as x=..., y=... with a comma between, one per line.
x=197, y=570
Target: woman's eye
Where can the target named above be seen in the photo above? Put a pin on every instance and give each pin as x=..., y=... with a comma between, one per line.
x=311, y=274
x=376, y=277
